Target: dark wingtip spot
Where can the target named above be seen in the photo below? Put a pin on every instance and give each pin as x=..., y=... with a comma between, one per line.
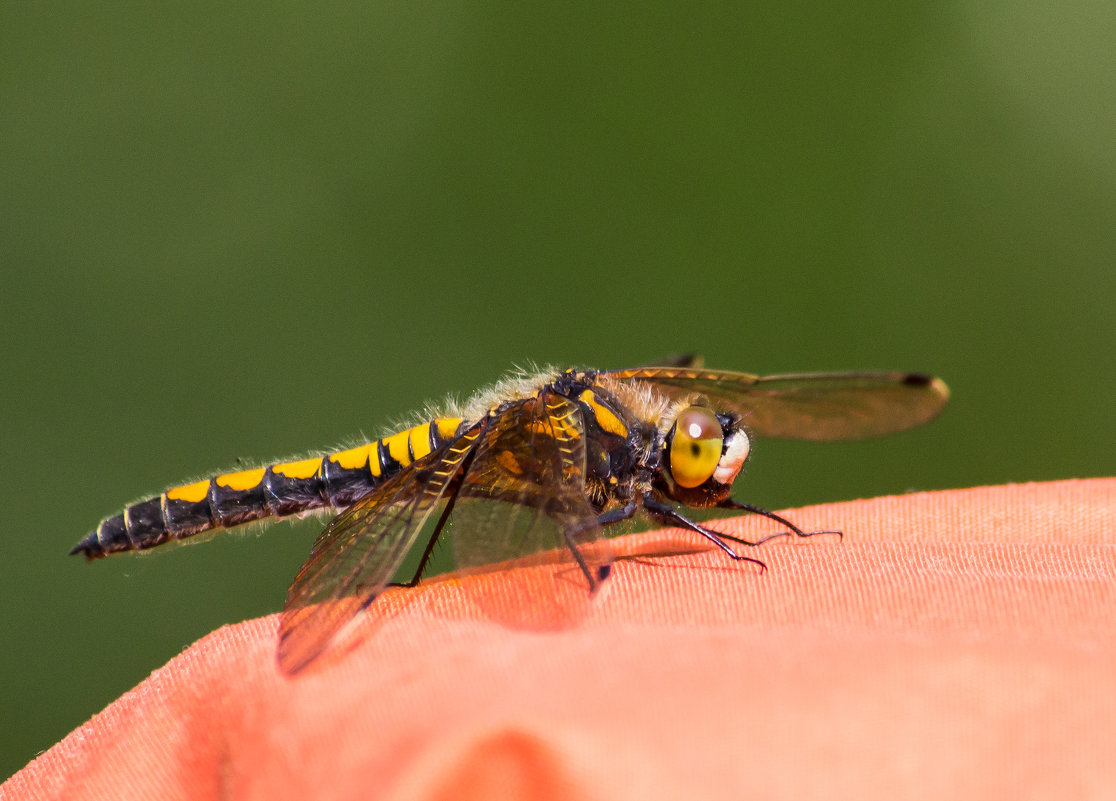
x=603, y=572
x=918, y=380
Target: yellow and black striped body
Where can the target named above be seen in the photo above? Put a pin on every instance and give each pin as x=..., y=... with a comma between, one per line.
x=279, y=490
x=538, y=465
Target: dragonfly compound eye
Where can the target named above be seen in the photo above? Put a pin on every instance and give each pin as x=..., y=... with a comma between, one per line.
x=695, y=447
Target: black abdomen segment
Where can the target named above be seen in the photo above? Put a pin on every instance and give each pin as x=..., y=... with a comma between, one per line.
x=335, y=480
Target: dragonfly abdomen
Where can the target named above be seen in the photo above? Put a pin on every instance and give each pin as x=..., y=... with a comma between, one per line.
x=279, y=490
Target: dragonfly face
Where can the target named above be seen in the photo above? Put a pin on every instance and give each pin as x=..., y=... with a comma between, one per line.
x=702, y=456
x=535, y=470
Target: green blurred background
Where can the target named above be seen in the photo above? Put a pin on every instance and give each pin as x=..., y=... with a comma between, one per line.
x=248, y=231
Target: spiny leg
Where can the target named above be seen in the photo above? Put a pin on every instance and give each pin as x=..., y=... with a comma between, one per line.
x=732, y=503
x=594, y=580
x=667, y=514
x=604, y=519
x=626, y=512
x=429, y=550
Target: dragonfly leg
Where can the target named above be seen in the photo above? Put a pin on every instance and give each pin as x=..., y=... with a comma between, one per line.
x=594, y=577
x=417, y=577
x=572, y=534
x=732, y=503
x=668, y=514
x=626, y=512
x=464, y=467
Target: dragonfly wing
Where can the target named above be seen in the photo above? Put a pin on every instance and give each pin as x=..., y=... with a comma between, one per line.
x=359, y=552
x=810, y=406
x=523, y=507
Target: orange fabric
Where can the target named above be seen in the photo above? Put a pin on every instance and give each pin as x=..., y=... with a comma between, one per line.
x=956, y=644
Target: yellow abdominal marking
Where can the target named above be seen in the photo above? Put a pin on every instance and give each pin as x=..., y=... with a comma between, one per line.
x=244, y=480
x=397, y=447
x=420, y=441
x=352, y=459
x=191, y=493
x=307, y=468
x=447, y=426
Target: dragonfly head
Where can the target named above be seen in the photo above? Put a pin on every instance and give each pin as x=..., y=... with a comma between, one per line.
x=702, y=455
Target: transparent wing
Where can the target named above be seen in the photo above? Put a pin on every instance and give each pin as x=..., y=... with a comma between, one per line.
x=812, y=406
x=359, y=552
x=523, y=506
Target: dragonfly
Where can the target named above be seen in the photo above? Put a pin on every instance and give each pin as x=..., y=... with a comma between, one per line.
x=539, y=464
